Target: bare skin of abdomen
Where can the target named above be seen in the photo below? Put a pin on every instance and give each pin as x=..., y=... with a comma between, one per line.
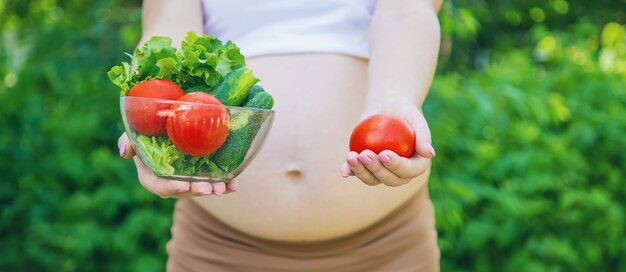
x=293, y=191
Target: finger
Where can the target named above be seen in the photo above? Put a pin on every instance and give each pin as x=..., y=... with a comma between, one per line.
x=345, y=170
x=371, y=161
x=231, y=186
x=404, y=168
x=219, y=188
x=207, y=188
x=164, y=188
x=360, y=171
x=423, y=141
x=201, y=188
x=124, y=145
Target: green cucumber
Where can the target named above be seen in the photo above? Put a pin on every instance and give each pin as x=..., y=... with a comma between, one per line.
x=252, y=92
x=243, y=128
x=261, y=100
x=234, y=88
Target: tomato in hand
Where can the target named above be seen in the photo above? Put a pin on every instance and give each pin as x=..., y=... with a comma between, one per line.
x=383, y=132
x=142, y=114
x=199, y=128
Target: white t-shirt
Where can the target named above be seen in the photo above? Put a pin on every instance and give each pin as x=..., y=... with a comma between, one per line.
x=266, y=27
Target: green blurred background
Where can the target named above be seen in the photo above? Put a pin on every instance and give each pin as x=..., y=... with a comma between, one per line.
x=527, y=111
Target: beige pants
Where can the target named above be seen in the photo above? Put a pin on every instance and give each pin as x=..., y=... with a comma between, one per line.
x=405, y=240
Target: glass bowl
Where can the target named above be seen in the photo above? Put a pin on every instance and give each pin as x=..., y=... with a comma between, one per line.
x=193, y=141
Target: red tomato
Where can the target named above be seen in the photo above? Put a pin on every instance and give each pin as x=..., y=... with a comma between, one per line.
x=198, y=128
x=383, y=132
x=141, y=114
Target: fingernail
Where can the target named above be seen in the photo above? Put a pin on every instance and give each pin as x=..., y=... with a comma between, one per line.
x=205, y=193
x=384, y=158
x=431, y=149
x=365, y=159
x=122, y=149
x=217, y=193
x=183, y=190
x=353, y=162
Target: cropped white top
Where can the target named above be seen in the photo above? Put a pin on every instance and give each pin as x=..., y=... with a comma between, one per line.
x=266, y=27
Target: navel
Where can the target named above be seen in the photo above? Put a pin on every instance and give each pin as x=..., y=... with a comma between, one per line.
x=292, y=172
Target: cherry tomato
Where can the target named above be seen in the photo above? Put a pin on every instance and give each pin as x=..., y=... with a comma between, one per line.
x=141, y=114
x=383, y=132
x=199, y=128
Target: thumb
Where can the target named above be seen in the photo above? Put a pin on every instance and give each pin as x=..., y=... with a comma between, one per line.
x=423, y=141
x=126, y=149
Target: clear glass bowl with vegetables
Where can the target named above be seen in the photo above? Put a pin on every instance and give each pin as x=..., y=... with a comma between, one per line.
x=194, y=113
x=194, y=140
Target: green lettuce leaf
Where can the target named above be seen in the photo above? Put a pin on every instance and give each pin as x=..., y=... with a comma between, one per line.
x=122, y=76
x=157, y=59
x=206, y=60
x=201, y=61
x=166, y=160
x=168, y=68
x=160, y=152
x=230, y=58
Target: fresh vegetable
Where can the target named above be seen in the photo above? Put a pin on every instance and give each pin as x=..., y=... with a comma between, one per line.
x=198, y=138
x=199, y=128
x=254, y=90
x=262, y=100
x=206, y=60
x=235, y=86
x=243, y=130
x=156, y=59
x=383, y=132
x=142, y=114
x=202, y=60
x=199, y=88
x=167, y=160
x=159, y=152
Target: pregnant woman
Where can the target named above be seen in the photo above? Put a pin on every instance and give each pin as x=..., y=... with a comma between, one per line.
x=306, y=203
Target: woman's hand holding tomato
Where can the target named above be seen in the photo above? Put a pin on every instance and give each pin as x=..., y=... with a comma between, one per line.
x=379, y=164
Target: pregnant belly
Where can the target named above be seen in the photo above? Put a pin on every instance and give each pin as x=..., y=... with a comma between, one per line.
x=292, y=191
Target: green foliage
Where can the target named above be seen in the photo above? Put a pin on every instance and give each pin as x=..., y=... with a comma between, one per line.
x=68, y=203
x=530, y=128
x=528, y=115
